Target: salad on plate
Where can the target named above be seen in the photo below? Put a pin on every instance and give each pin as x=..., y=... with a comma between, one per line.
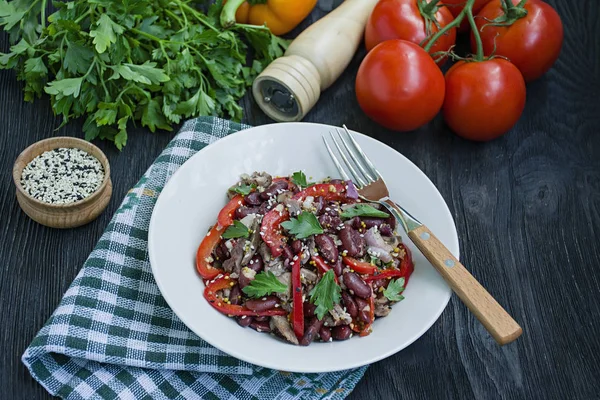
x=303, y=261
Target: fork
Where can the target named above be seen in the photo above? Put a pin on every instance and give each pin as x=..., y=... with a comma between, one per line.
x=372, y=188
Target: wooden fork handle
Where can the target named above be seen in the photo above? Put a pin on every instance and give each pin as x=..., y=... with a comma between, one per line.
x=503, y=328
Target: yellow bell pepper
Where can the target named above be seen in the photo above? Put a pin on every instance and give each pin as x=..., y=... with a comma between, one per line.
x=280, y=16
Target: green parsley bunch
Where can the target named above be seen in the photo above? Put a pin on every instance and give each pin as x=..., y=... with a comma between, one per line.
x=122, y=62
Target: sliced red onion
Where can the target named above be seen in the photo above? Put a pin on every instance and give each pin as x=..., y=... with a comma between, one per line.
x=380, y=253
x=374, y=239
x=351, y=191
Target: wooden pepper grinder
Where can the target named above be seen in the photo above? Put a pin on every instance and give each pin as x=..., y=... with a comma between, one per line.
x=291, y=85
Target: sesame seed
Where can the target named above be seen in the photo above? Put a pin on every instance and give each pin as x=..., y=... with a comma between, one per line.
x=62, y=176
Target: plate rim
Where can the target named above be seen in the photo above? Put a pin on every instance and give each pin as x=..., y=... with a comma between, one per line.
x=241, y=357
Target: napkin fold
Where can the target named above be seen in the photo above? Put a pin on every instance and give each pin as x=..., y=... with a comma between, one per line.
x=113, y=336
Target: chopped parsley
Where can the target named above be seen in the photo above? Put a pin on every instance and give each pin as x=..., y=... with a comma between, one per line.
x=264, y=283
x=363, y=210
x=395, y=287
x=325, y=294
x=299, y=178
x=304, y=226
x=237, y=230
x=243, y=189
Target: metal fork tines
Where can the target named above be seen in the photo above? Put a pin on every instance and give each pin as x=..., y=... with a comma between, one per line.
x=368, y=172
x=362, y=171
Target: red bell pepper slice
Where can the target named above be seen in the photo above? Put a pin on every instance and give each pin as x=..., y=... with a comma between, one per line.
x=406, y=265
x=225, y=217
x=298, y=307
x=323, y=267
x=362, y=267
x=210, y=294
x=204, y=254
x=329, y=191
x=270, y=230
x=406, y=269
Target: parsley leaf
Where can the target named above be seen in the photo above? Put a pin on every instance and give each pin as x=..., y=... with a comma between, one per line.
x=264, y=283
x=236, y=230
x=242, y=189
x=325, y=294
x=105, y=33
x=304, y=226
x=363, y=210
x=299, y=178
x=395, y=287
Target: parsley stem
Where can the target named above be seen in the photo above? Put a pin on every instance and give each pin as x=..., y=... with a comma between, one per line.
x=198, y=16
x=43, y=16
x=175, y=17
x=106, y=93
x=83, y=16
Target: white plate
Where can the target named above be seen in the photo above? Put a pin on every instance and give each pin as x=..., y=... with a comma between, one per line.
x=189, y=204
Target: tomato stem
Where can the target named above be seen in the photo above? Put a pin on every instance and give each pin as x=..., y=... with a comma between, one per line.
x=479, y=55
x=428, y=8
x=456, y=22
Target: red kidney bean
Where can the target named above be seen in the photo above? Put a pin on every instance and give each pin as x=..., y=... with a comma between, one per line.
x=386, y=230
x=309, y=309
x=273, y=189
x=350, y=304
x=327, y=247
x=341, y=332
x=256, y=263
x=319, y=204
x=287, y=252
x=244, y=321
x=222, y=252
x=243, y=211
x=325, y=333
x=362, y=314
x=329, y=222
x=262, y=318
x=263, y=326
x=311, y=331
x=332, y=209
x=253, y=199
x=352, y=242
x=355, y=223
x=297, y=246
x=259, y=304
x=379, y=283
x=338, y=267
x=391, y=221
x=357, y=285
x=371, y=222
x=243, y=281
x=264, y=208
x=235, y=295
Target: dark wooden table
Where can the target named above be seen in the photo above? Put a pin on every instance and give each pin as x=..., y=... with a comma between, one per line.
x=527, y=209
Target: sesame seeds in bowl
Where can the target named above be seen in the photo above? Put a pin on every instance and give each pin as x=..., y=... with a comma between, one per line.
x=62, y=176
x=62, y=182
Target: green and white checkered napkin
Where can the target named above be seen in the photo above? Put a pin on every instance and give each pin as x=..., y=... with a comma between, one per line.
x=113, y=336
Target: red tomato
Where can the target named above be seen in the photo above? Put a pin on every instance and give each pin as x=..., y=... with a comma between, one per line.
x=399, y=86
x=483, y=99
x=456, y=6
x=532, y=43
x=401, y=19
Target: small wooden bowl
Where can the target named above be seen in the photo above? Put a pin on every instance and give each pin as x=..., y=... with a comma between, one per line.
x=62, y=215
